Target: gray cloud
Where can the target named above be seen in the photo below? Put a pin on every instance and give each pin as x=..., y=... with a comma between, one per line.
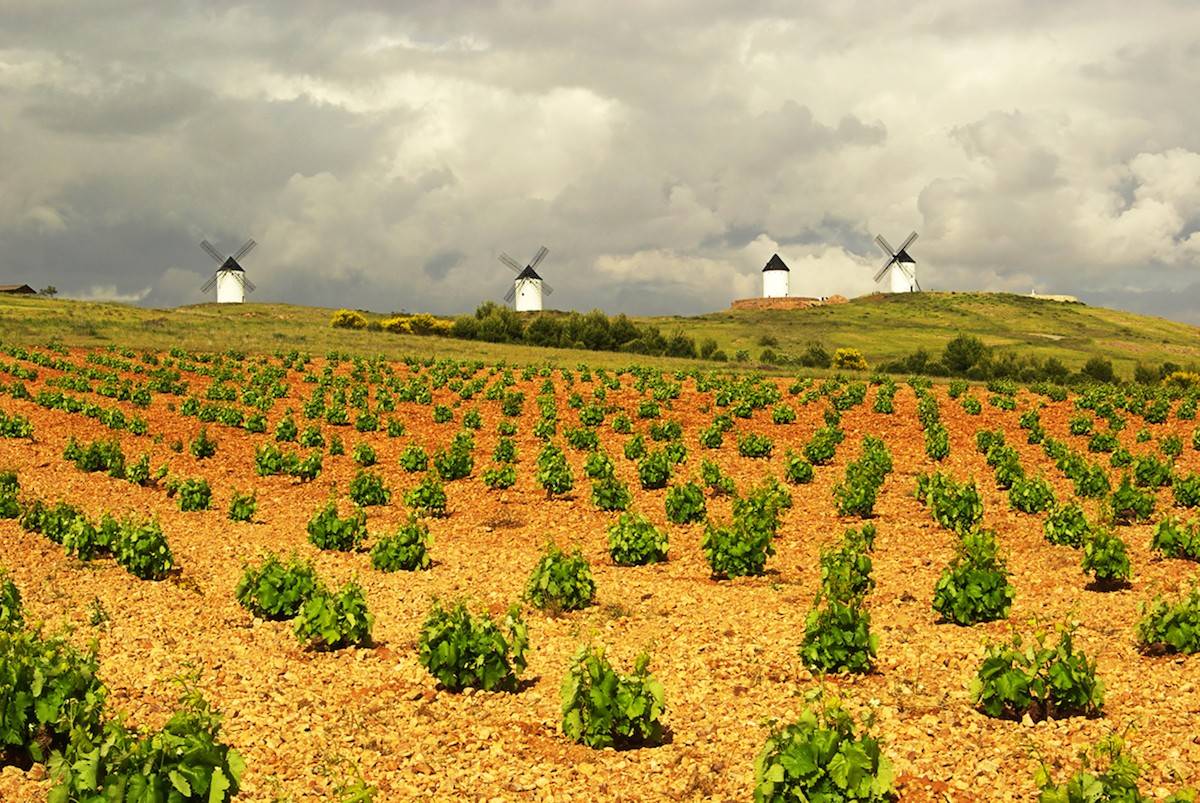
x=663, y=151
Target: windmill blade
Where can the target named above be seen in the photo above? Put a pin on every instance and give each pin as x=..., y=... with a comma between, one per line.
x=546, y=289
x=210, y=284
x=212, y=252
x=510, y=295
x=912, y=238
x=884, y=269
x=248, y=285
x=539, y=256
x=512, y=263
x=882, y=243
x=246, y=248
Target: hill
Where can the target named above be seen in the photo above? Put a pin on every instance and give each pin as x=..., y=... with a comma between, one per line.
x=882, y=327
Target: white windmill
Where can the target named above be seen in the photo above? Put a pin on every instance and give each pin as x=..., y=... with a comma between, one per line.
x=775, y=278
x=528, y=287
x=901, y=266
x=229, y=277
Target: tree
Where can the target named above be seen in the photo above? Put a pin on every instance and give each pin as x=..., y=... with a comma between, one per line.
x=963, y=353
x=1099, y=370
x=50, y=291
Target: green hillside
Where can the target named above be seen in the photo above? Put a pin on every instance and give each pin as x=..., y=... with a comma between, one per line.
x=882, y=327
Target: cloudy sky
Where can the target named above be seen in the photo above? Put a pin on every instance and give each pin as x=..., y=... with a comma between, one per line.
x=662, y=149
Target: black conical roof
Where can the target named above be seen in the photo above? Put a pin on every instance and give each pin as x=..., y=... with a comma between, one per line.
x=775, y=263
x=231, y=264
x=528, y=273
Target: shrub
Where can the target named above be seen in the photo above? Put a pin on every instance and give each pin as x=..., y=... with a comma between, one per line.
x=561, y=582
x=312, y=438
x=330, y=621
x=820, y=757
x=202, y=446
x=367, y=489
x=754, y=445
x=654, y=470
x=242, y=506
x=838, y=638
x=783, y=414
x=326, y=530
x=1106, y=558
x=855, y=496
x=142, y=549
x=553, y=471
x=610, y=493
x=1109, y=773
x=957, y=507
x=194, y=494
x=1177, y=540
x=849, y=360
x=1067, y=525
x=1031, y=495
x=11, y=617
x=1171, y=626
x=974, y=587
x=464, y=651
x=823, y=445
x=364, y=454
x=937, y=442
x=404, y=550
x=602, y=708
x=739, y=549
x=277, y=590
x=500, y=477
x=414, y=459
x=429, y=497
x=1027, y=676
x=348, y=319
x=285, y=430
x=797, y=470
x=846, y=571
x=635, y=448
x=1129, y=504
x=1186, y=490
x=1150, y=472
x=454, y=463
x=634, y=541
x=685, y=504
x=51, y=694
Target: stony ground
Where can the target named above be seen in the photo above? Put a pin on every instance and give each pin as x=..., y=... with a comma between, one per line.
x=726, y=651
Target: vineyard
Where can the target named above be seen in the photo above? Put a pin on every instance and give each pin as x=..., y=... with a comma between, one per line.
x=336, y=578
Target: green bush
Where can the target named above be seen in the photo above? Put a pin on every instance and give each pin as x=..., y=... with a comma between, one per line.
x=326, y=530
x=1171, y=626
x=797, y=470
x=242, y=506
x=821, y=758
x=754, y=445
x=1106, y=558
x=332, y=620
x=561, y=582
x=739, y=549
x=367, y=489
x=1175, y=539
x=602, y=708
x=1150, y=472
x=610, y=493
x=553, y=471
x=202, y=446
x=598, y=465
x=428, y=497
x=142, y=549
x=414, y=459
x=1027, y=676
x=1031, y=495
x=838, y=638
x=846, y=571
x=464, y=651
x=277, y=590
x=634, y=541
x=285, y=430
x=11, y=616
x=654, y=470
x=1109, y=773
x=685, y=504
x=937, y=442
x=407, y=549
x=185, y=761
x=51, y=694
x=1067, y=525
x=974, y=587
x=364, y=454
x=855, y=495
x=718, y=483
x=1129, y=504
x=1186, y=490
x=500, y=477
x=957, y=507
x=635, y=448
x=454, y=463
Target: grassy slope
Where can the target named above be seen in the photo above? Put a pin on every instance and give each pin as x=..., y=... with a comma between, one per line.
x=882, y=327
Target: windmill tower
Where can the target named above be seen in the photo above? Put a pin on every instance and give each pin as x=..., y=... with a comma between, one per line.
x=528, y=287
x=229, y=277
x=775, y=278
x=901, y=267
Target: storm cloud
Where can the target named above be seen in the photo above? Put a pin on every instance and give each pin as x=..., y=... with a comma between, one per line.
x=384, y=154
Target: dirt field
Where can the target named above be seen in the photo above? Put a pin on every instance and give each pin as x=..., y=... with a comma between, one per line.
x=726, y=651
